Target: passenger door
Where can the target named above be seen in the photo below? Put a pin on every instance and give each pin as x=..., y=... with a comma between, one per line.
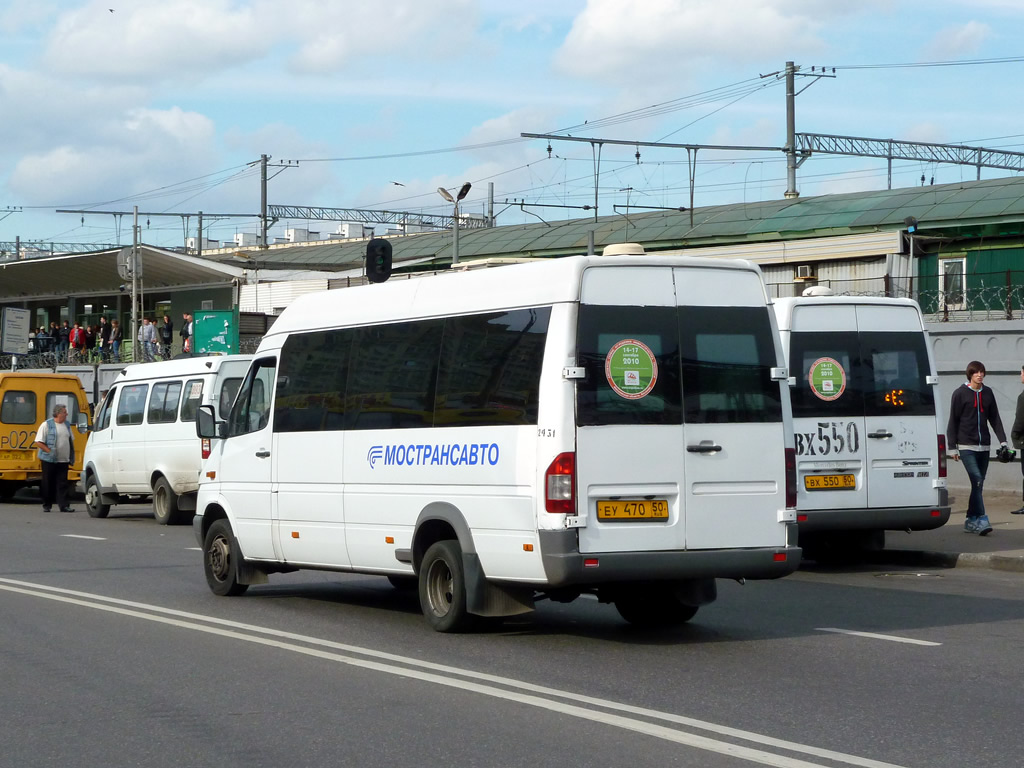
x=128, y=441
x=245, y=468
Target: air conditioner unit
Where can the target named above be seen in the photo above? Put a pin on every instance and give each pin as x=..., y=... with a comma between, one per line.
x=804, y=272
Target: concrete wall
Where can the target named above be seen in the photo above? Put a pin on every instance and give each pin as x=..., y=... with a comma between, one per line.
x=999, y=344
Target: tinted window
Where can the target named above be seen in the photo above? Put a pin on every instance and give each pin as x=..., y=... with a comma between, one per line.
x=68, y=399
x=490, y=368
x=807, y=349
x=311, y=386
x=895, y=372
x=193, y=399
x=228, y=390
x=132, y=404
x=727, y=355
x=102, y=420
x=18, y=407
x=393, y=375
x=163, y=403
x=600, y=329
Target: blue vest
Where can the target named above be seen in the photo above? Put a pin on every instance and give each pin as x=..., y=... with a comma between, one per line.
x=51, y=442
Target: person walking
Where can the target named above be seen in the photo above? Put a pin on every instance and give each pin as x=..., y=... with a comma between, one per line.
x=56, y=450
x=147, y=336
x=1017, y=437
x=166, y=337
x=971, y=410
x=115, y=340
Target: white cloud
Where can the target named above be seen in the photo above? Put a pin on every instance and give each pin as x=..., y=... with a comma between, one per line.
x=958, y=41
x=626, y=43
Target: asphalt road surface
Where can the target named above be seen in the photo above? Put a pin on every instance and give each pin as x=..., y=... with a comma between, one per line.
x=113, y=652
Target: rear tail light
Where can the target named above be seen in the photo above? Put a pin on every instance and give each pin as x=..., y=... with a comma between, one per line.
x=560, y=485
x=206, y=447
x=942, y=455
x=791, y=477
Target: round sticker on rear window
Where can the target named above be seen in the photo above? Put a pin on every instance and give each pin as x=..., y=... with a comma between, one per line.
x=631, y=369
x=827, y=378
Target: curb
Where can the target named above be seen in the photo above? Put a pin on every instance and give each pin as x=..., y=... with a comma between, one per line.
x=924, y=558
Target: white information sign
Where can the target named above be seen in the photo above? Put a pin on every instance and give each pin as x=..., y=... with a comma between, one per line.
x=14, y=328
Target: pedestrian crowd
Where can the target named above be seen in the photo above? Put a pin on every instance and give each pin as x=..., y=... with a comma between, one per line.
x=103, y=343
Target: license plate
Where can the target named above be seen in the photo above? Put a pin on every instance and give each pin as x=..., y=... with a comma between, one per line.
x=14, y=455
x=636, y=510
x=830, y=482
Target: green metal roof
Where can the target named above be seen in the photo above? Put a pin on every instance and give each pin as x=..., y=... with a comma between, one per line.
x=965, y=208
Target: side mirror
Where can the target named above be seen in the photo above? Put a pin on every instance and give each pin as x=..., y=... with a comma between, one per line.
x=206, y=422
x=83, y=423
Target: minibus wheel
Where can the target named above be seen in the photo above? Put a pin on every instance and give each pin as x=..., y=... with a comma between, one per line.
x=650, y=606
x=93, y=500
x=165, y=502
x=220, y=560
x=442, y=588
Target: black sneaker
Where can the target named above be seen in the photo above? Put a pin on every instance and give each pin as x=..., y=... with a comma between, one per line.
x=47, y=509
x=67, y=509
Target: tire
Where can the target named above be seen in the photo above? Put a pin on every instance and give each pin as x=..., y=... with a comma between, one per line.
x=93, y=501
x=165, y=503
x=7, y=491
x=220, y=560
x=403, y=583
x=654, y=608
x=442, y=588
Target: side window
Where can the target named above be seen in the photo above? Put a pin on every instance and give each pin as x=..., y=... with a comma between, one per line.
x=811, y=355
x=311, y=387
x=163, y=403
x=132, y=404
x=251, y=410
x=490, y=368
x=192, y=400
x=102, y=420
x=727, y=355
x=18, y=407
x=393, y=375
x=631, y=357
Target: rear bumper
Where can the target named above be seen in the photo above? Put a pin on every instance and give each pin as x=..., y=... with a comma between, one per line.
x=881, y=518
x=564, y=564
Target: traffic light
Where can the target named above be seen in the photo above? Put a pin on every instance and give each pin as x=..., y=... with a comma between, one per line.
x=378, y=260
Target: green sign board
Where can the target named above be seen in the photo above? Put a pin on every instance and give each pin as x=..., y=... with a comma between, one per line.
x=215, y=331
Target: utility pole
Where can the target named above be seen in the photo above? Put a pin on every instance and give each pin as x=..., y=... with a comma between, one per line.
x=263, y=199
x=199, y=240
x=135, y=284
x=791, y=163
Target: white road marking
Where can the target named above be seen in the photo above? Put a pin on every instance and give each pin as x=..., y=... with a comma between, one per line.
x=76, y=536
x=89, y=600
x=876, y=636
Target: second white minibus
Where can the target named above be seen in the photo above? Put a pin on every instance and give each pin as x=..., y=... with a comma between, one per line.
x=611, y=425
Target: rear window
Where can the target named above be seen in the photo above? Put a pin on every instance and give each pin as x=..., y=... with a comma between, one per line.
x=869, y=374
x=18, y=407
x=192, y=399
x=163, y=404
x=667, y=365
x=68, y=399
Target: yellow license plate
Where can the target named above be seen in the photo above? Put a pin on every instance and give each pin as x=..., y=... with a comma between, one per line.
x=830, y=482
x=636, y=510
x=15, y=455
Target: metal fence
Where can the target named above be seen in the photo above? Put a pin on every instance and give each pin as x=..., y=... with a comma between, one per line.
x=986, y=295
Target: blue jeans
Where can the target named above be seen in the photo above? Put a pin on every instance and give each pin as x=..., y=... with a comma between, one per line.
x=976, y=464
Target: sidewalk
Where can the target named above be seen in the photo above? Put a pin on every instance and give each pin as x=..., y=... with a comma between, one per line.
x=951, y=547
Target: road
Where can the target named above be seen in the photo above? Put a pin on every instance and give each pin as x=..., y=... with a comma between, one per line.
x=114, y=653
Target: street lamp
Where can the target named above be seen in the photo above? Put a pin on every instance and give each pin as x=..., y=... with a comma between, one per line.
x=455, y=219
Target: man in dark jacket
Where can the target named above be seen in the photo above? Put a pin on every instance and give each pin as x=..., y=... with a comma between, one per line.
x=971, y=409
x=1017, y=434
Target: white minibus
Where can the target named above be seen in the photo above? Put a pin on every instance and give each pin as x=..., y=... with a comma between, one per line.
x=869, y=441
x=614, y=425
x=143, y=442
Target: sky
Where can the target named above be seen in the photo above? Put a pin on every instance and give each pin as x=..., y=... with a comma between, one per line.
x=168, y=105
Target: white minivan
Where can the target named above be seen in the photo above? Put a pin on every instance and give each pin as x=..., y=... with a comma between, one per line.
x=870, y=444
x=615, y=425
x=143, y=442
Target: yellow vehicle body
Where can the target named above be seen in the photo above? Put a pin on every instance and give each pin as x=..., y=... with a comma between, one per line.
x=26, y=401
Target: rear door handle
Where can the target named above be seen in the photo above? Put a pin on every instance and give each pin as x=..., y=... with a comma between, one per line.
x=704, y=446
x=262, y=454
x=880, y=434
